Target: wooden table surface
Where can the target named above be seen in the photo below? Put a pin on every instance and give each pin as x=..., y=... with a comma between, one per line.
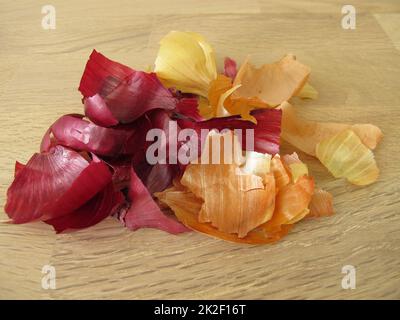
x=357, y=73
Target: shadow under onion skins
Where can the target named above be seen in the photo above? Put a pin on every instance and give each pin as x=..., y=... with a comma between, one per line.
x=97, y=165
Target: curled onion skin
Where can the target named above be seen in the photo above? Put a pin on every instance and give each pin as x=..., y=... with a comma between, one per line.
x=271, y=83
x=222, y=103
x=186, y=61
x=53, y=184
x=266, y=131
x=308, y=92
x=292, y=201
x=92, y=212
x=235, y=201
x=97, y=111
x=306, y=134
x=321, y=204
x=74, y=132
x=291, y=206
x=282, y=177
x=345, y=156
x=186, y=207
x=126, y=93
x=145, y=213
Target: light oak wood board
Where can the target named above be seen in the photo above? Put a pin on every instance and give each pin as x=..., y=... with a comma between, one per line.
x=357, y=73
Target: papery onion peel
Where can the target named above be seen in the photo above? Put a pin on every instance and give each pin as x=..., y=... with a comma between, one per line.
x=271, y=83
x=345, y=156
x=186, y=61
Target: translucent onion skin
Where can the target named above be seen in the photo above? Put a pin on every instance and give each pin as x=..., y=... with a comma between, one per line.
x=282, y=177
x=235, y=207
x=272, y=83
x=306, y=134
x=292, y=202
x=296, y=168
x=321, y=204
x=308, y=92
x=208, y=200
x=186, y=207
x=186, y=61
x=222, y=104
x=246, y=201
x=345, y=156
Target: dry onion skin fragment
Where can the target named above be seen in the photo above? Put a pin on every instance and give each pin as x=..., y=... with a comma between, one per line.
x=295, y=191
x=308, y=92
x=54, y=184
x=186, y=61
x=292, y=205
x=292, y=202
x=235, y=201
x=217, y=88
x=116, y=93
x=345, y=156
x=145, y=213
x=282, y=177
x=272, y=83
x=221, y=102
x=321, y=204
x=230, y=68
x=295, y=166
x=305, y=134
x=186, y=207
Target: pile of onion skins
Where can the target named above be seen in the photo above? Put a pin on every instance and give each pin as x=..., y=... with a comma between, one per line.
x=94, y=165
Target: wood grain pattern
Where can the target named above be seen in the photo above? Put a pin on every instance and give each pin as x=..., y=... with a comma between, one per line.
x=357, y=73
